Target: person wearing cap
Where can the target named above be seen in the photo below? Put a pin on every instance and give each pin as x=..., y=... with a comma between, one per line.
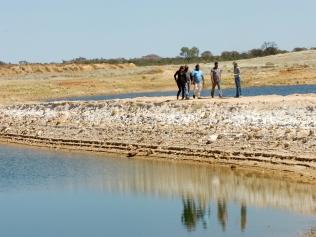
x=237, y=79
x=216, y=75
x=198, y=80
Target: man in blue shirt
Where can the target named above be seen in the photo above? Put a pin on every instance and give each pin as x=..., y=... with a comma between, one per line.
x=198, y=80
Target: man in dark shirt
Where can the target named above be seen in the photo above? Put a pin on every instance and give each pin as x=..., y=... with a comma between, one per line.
x=177, y=77
x=180, y=79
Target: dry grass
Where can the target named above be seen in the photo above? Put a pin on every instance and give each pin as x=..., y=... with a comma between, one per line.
x=42, y=82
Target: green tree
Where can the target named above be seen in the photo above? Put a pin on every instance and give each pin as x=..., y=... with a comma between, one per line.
x=185, y=52
x=207, y=55
x=189, y=54
x=255, y=53
x=194, y=52
x=230, y=55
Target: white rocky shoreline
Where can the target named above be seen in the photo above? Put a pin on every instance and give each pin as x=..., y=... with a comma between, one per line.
x=267, y=131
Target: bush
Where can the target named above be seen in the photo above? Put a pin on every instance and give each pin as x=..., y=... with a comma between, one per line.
x=298, y=49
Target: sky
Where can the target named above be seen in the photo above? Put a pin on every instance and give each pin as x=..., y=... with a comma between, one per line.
x=52, y=31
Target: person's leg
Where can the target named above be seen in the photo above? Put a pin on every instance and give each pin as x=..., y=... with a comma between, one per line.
x=213, y=89
x=200, y=87
x=237, y=87
x=220, y=92
x=239, y=84
x=183, y=90
x=187, y=86
x=179, y=89
x=195, y=90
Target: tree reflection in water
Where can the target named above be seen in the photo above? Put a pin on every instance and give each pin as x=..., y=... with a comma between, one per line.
x=197, y=211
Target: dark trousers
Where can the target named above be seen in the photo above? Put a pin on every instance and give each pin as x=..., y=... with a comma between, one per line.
x=238, y=86
x=181, y=89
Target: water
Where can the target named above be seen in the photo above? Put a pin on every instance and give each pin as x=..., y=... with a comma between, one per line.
x=249, y=91
x=45, y=193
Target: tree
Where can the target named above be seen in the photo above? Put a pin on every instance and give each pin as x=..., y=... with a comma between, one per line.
x=23, y=62
x=298, y=49
x=267, y=44
x=151, y=57
x=207, y=55
x=194, y=52
x=256, y=53
x=185, y=52
x=230, y=55
x=270, y=48
x=188, y=53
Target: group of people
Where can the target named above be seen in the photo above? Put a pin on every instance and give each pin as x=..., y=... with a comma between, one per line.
x=185, y=78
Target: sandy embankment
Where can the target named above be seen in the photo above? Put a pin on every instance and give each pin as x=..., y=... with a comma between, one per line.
x=272, y=132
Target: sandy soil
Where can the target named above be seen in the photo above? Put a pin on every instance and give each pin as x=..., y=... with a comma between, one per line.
x=20, y=83
x=270, y=132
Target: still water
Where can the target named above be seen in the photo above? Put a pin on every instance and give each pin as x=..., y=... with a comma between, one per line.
x=249, y=91
x=46, y=193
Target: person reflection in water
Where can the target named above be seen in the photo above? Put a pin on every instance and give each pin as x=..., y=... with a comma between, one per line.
x=192, y=214
x=196, y=211
x=222, y=213
x=243, y=217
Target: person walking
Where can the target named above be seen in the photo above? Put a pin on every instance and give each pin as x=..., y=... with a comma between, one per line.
x=178, y=77
x=187, y=82
x=198, y=80
x=237, y=79
x=216, y=75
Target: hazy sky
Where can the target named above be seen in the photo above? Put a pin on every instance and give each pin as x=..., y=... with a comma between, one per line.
x=47, y=30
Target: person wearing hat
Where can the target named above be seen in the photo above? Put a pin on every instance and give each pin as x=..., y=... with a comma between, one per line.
x=237, y=79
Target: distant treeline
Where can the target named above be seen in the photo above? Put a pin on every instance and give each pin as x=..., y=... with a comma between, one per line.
x=188, y=55
x=193, y=55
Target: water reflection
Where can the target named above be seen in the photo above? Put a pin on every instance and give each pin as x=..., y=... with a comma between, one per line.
x=197, y=211
x=193, y=213
x=222, y=213
x=243, y=217
x=210, y=198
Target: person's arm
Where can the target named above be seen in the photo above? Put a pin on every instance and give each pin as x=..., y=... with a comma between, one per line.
x=192, y=78
x=175, y=75
x=212, y=78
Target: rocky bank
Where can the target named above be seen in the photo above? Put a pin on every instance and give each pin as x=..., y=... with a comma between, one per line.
x=271, y=132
